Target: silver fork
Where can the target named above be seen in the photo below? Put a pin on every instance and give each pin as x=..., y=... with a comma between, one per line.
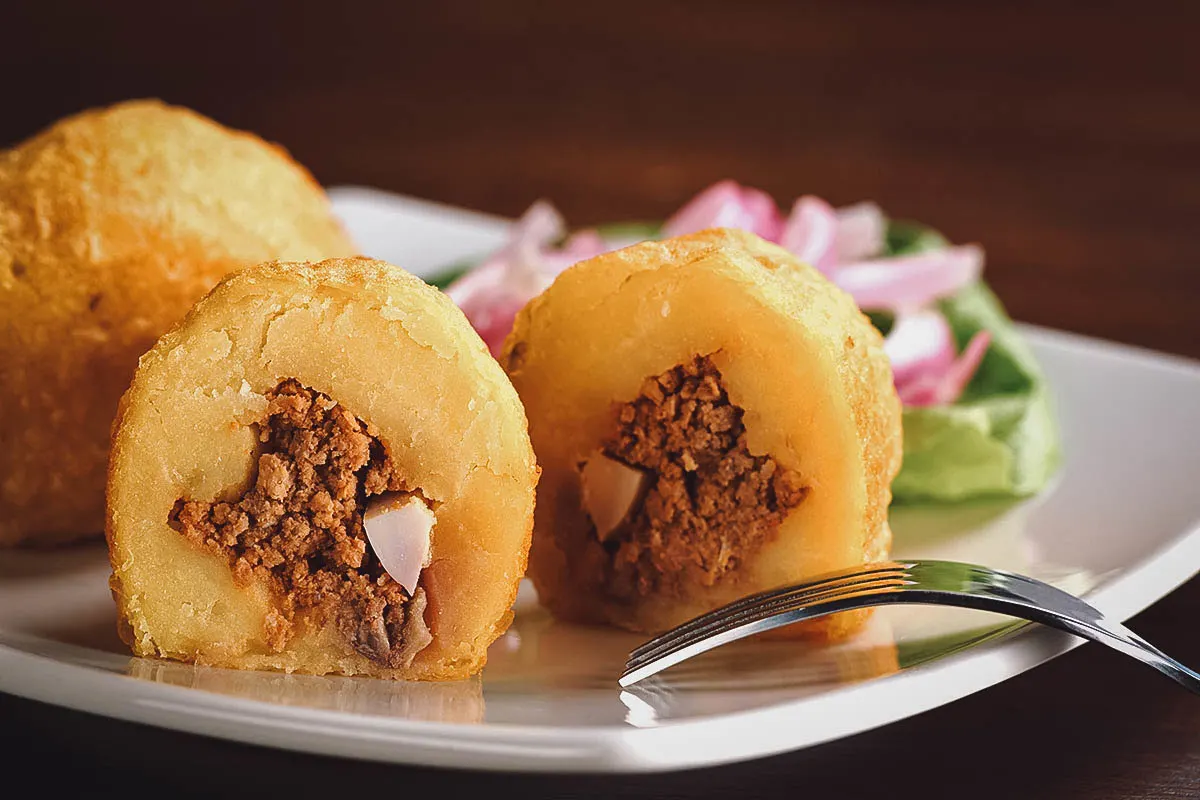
x=941, y=583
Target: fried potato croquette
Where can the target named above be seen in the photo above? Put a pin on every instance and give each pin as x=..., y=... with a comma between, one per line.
x=112, y=224
x=714, y=418
x=321, y=470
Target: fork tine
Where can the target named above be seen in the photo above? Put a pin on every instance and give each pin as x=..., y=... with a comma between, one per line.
x=819, y=584
x=944, y=583
x=765, y=611
x=687, y=647
x=761, y=607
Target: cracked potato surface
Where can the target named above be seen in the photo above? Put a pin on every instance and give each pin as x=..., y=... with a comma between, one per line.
x=397, y=354
x=797, y=357
x=113, y=223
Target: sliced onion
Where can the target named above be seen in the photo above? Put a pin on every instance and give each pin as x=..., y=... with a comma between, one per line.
x=810, y=233
x=760, y=214
x=861, y=232
x=580, y=246
x=727, y=204
x=491, y=294
x=610, y=489
x=938, y=389
x=483, y=278
x=492, y=317
x=919, y=343
x=517, y=263
x=540, y=225
x=910, y=281
x=398, y=530
x=843, y=244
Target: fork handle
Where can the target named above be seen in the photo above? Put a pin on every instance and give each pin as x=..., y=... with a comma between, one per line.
x=941, y=583
x=1097, y=629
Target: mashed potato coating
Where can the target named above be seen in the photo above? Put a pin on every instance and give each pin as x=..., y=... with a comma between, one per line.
x=752, y=395
x=113, y=223
x=250, y=440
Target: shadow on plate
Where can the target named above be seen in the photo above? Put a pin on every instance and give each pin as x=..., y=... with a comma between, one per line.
x=37, y=564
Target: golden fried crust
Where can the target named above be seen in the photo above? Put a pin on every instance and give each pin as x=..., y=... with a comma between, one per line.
x=112, y=223
x=796, y=354
x=398, y=355
x=868, y=383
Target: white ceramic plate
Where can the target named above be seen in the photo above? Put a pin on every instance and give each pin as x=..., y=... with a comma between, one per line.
x=1120, y=526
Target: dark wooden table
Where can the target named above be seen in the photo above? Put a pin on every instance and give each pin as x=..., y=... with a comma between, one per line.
x=1065, y=140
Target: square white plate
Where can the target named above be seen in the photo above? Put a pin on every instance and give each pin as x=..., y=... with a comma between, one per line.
x=1119, y=526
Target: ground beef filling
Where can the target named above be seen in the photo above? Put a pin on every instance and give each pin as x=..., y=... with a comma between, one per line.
x=300, y=525
x=710, y=503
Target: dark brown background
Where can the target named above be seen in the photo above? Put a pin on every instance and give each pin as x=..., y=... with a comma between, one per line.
x=1064, y=137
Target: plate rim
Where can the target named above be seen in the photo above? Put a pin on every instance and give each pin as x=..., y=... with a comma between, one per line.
x=675, y=744
x=620, y=747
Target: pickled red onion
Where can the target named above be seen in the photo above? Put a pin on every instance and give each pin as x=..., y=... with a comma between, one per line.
x=910, y=282
x=578, y=247
x=861, y=231
x=492, y=316
x=946, y=385
x=811, y=233
x=517, y=264
x=487, y=276
x=491, y=294
x=844, y=244
x=727, y=204
x=919, y=343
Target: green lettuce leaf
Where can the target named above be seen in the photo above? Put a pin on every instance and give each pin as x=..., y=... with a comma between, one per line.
x=450, y=274
x=1000, y=439
x=905, y=238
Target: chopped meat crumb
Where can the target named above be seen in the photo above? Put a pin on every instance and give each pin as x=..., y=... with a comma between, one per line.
x=300, y=525
x=710, y=502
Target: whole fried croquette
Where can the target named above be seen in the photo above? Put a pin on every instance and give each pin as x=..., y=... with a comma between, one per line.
x=321, y=469
x=714, y=418
x=113, y=223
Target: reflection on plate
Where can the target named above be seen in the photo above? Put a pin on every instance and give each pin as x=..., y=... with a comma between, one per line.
x=452, y=701
x=548, y=699
x=56, y=604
